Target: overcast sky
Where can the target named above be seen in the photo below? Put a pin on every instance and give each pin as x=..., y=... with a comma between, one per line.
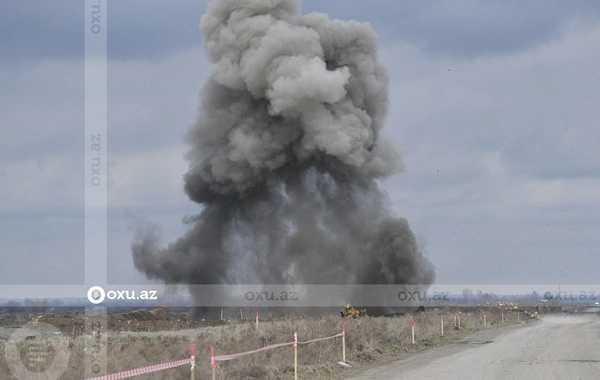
x=496, y=104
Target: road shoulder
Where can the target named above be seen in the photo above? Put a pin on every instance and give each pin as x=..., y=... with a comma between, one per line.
x=464, y=343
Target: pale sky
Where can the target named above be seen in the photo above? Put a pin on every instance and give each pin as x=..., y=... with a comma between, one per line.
x=494, y=102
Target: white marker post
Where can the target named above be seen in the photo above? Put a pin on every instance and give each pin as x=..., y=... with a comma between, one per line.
x=295, y=356
x=459, y=319
x=257, y=319
x=412, y=325
x=193, y=360
x=484, y=319
x=442, y=322
x=344, y=343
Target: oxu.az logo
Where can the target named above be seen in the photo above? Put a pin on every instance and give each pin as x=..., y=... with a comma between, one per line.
x=97, y=295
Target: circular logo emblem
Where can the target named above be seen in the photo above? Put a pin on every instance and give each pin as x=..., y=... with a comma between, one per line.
x=37, y=347
x=96, y=295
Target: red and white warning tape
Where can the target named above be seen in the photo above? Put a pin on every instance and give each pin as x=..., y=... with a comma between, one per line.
x=234, y=356
x=143, y=371
x=320, y=339
x=149, y=369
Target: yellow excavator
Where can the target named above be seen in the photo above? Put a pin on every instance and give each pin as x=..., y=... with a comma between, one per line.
x=351, y=312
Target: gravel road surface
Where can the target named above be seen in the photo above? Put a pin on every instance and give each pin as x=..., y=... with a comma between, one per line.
x=557, y=347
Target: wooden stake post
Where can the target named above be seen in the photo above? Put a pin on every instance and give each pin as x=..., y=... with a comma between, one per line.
x=484, y=319
x=459, y=319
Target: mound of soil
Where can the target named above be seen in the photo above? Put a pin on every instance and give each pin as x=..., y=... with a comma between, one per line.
x=158, y=314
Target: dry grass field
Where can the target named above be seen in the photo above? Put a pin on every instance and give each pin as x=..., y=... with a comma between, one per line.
x=369, y=341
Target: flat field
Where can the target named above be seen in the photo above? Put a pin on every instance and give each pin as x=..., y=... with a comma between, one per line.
x=143, y=338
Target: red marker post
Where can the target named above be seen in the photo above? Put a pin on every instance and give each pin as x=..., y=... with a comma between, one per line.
x=212, y=362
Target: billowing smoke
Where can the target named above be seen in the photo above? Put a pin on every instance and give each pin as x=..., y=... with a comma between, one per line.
x=285, y=154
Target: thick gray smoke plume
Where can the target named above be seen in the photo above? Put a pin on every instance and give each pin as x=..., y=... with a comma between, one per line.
x=284, y=157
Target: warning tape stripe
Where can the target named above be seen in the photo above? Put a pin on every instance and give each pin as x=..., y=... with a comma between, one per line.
x=320, y=339
x=144, y=370
x=178, y=363
x=234, y=356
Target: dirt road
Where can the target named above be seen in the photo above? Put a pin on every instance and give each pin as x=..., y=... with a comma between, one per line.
x=558, y=347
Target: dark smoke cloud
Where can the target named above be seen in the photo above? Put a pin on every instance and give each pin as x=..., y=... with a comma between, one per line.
x=285, y=154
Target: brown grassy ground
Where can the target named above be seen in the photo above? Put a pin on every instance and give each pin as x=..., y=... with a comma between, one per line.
x=369, y=341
